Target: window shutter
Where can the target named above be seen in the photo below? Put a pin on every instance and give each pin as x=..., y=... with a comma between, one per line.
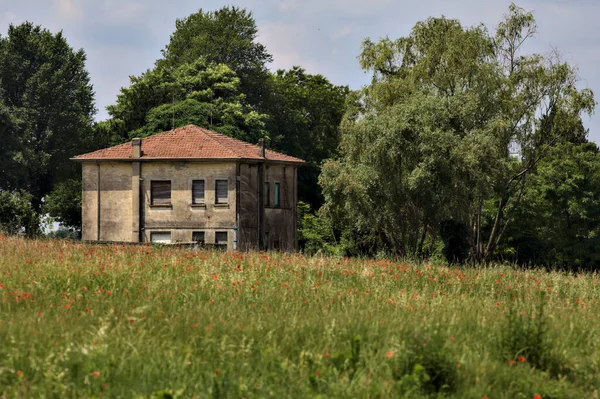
x=198, y=192
x=221, y=191
x=160, y=192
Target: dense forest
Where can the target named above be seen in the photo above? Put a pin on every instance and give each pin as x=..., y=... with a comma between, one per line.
x=463, y=147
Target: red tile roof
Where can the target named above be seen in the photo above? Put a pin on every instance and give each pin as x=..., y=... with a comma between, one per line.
x=188, y=142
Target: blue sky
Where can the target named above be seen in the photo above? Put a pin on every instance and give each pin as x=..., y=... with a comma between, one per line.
x=125, y=37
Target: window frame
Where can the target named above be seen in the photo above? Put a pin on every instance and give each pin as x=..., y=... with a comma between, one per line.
x=153, y=233
x=152, y=198
x=277, y=195
x=203, y=241
x=226, y=238
x=217, y=202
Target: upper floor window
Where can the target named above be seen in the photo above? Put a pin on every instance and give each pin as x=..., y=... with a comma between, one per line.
x=276, y=202
x=160, y=192
x=221, y=191
x=198, y=192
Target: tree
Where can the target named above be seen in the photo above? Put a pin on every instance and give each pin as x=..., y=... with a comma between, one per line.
x=559, y=220
x=47, y=101
x=226, y=36
x=454, y=122
x=199, y=92
x=305, y=112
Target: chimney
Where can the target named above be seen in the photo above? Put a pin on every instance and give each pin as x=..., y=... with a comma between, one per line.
x=136, y=147
x=261, y=147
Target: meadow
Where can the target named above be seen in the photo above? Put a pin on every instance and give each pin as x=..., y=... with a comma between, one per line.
x=80, y=320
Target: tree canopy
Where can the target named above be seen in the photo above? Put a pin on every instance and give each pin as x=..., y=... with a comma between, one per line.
x=452, y=125
x=46, y=110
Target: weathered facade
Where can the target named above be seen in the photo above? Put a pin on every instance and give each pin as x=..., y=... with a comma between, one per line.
x=190, y=185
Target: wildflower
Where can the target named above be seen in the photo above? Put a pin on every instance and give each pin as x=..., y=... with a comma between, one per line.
x=522, y=359
x=537, y=396
x=366, y=291
x=217, y=372
x=511, y=362
x=108, y=292
x=318, y=373
x=19, y=373
x=389, y=354
x=451, y=338
x=214, y=277
x=95, y=374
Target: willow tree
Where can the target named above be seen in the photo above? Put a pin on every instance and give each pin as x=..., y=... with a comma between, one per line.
x=452, y=124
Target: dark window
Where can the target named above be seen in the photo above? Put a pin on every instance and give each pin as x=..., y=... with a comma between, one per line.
x=267, y=194
x=276, y=201
x=160, y=192
x=221, y=238
x=198, y=236
x=198, y=192
x=221, y=191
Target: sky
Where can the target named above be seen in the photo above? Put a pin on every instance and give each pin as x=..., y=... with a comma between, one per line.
x=125, y=37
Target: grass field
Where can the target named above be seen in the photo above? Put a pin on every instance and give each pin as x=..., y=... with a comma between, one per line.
x=136, y=321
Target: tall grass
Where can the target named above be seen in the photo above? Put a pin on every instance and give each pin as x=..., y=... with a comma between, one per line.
x=136, y=321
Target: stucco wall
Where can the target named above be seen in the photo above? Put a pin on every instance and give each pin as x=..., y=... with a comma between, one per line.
x=182, y=218
x=115, y=201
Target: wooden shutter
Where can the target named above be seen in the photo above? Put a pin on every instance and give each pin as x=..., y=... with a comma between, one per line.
x=160, y=192
x=198, y=192
x=221, y=191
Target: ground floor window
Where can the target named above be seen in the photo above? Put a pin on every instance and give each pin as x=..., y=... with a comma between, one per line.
x=160, y=238
x=221, y=238
x=198, y=236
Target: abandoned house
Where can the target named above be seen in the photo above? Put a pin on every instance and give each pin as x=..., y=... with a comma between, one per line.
x=191, y=185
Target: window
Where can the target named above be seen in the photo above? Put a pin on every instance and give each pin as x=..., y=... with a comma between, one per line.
x=160, y=238
x=276, y=201
x=221, y=191
x=160, y=192
x=221, y=238
x=267, y=194
x=198, y=192
x=198, y=236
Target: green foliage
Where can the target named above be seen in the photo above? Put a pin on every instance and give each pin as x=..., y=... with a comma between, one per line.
x=559, y=222
x=46, y=111
x=17, y=215
x=131, y=321
x=226, y=36
x=305, y=112
x=200, y=93
x=433, y=137
x=425, y=366
x=64, y=203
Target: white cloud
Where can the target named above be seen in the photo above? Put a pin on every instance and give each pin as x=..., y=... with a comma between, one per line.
x=68, y=9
